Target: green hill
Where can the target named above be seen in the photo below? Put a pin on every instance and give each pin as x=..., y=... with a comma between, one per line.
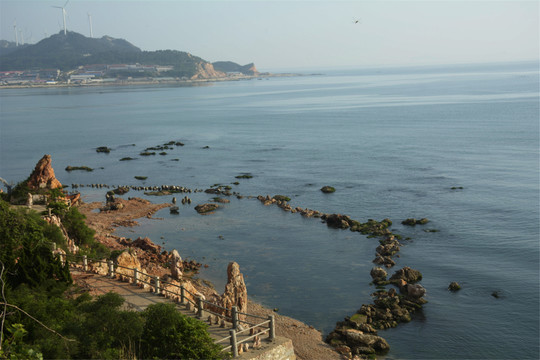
x=68, y=52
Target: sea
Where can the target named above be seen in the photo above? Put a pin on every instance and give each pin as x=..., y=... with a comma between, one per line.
x=457, y=144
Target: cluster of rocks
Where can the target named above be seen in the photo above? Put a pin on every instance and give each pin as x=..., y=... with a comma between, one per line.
x=154, y=254
x=163, y=188
x=357, y=334
x=223, y=190
x=339, y=221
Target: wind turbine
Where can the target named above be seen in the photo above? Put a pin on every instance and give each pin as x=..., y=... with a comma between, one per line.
x=90, y=22
x=63, y=14
x=16, y=35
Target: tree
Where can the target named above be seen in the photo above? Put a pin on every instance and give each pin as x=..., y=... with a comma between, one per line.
x=169, y=334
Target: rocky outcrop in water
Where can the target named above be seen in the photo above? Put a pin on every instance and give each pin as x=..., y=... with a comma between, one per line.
x=206, y=208
x=43, y=175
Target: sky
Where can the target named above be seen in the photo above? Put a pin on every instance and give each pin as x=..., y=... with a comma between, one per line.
x=302, y=34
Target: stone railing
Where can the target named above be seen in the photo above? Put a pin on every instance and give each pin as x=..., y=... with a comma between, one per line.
x=239, y=335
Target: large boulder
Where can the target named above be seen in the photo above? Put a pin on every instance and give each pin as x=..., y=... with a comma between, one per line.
x=147, y=245
x=378, y=274
x=43, y=175
x=407, y=274
x=415, y=291
x=235, y=291
x=126, y=262
x=206, y=208
x=357, y=338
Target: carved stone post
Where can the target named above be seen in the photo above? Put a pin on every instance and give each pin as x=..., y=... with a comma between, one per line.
x=234, y=346
x=272, y=332
x=85, y=263
x=158, y=286
x=234, y=316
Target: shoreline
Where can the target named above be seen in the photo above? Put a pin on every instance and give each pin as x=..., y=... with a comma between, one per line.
x=307, y=341
x=152, y=82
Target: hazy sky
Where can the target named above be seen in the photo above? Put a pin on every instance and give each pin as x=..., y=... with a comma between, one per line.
x=298, y=34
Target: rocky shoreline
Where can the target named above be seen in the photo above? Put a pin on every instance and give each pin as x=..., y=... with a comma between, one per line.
x=307, y=341
x=354, y=338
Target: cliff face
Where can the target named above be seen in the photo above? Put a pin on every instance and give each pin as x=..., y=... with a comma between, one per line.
x=205, y=70
x=43, y=175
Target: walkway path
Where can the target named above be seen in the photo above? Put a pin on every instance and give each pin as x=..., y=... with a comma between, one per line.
x=139, y=299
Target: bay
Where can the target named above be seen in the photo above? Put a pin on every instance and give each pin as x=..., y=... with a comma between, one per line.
x=392, y=141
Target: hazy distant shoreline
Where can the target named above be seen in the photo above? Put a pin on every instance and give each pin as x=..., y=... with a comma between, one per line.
x=150, y=81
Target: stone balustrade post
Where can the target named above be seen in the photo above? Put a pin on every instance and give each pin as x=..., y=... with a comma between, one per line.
x=135, y=276
x=234, y=345
x=85, y=263
x=111, y=268
x=234, y=317
x=182, y=295
x=272, y=332
x=158, y=286
x=199, y=307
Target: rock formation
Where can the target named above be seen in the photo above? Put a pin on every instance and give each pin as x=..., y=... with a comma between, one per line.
x=129, y=260
x=176, y=265
x=43, y=175
x=206, y=208
x=147, y=245
x=235, y=291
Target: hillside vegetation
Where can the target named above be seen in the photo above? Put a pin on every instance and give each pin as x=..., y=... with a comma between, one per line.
x=47, y=317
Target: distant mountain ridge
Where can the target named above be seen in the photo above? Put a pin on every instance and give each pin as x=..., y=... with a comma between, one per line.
x=70, y=51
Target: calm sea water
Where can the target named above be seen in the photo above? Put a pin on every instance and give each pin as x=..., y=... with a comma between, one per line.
x=391, y=141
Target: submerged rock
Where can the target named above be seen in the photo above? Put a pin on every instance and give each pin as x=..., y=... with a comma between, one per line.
x=414, y=222
x=328, y=189
x=454, y=286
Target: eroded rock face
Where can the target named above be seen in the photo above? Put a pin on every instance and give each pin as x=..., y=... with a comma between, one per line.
x=43, y=175
x=176, y=265
x=235, y=291
x=129, y=260
x=147, y=245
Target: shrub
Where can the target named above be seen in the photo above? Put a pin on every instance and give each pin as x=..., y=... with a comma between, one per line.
x=169, y=334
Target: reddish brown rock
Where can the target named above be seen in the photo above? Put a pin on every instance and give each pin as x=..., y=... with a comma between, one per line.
x=147, y=245
x=43, y=175
x=235, y=291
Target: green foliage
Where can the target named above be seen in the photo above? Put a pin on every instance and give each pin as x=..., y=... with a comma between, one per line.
x=25, y=249
x=13, y=346
x=19, y=193
x=169, y=334
x=76, y=228
x=58, y=208
x=108, y=332
x=56, y=193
